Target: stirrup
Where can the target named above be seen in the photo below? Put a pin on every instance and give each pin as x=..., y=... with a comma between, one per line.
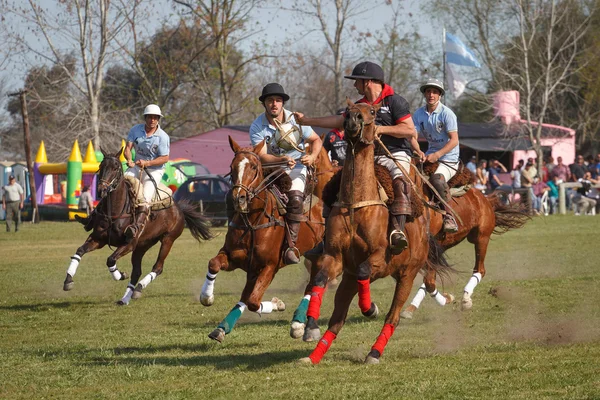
x=291, y=256
x=131, y=232
x=450, y=225
x=401, y=242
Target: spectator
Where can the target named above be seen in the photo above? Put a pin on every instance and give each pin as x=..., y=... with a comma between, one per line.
x=481, y=176
x=86, y=202
x=533, y=169
x=597, y=166
x=472, y=165
x=335, y=144
x=550, y=165
x=584, y=203
x=545, y=175
x=553, y=194
x=592, y=167
x=539, y=189
x=561, y=171
x=527, y=180
x=496, y=168
x=12, y=202
x=578, y=169
x=515, y=174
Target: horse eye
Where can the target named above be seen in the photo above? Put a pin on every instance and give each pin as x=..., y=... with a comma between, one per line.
x=372, y=112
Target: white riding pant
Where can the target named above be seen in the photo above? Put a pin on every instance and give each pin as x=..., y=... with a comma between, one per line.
x=447, y=169
x=401, y=156
x=148, y=188
x=298, y=177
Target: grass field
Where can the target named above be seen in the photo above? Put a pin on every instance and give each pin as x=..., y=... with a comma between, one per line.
x=533, y=333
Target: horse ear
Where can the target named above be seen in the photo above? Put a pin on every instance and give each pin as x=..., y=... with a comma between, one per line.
x=259, y=146
x=349, y=103
x=377, y=106
x=104, y=153
x=118, y=153
x=233, y=144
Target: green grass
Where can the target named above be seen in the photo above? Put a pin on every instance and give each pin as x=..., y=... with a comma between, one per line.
x=536, y=337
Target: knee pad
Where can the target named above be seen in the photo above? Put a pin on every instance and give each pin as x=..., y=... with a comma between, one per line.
x=295, y=202
x=439, y=183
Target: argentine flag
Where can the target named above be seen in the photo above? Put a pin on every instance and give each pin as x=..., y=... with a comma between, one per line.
x=458, y=53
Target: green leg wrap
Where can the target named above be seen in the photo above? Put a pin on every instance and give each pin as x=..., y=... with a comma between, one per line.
x=300, y=313
x=229, y=322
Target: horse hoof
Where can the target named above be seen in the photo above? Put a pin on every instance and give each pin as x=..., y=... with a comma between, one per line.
x=297, y=330
x=371, y=360
x=310, y=335
x=124, y=275
x=466, y=305
x=207, y=300
x=68, y=286
x=373, y=312
x=121, y=303
x=137, y=293
x=278, y=305
x=218, y=335
x=449, y=298
x=305, y=360
x=406, y=314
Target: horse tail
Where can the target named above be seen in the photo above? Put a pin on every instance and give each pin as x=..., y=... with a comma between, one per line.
x=437, y=260
x=196, y=222
x=508, y=216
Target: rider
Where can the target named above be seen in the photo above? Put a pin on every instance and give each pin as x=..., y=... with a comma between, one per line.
x=395, y=125
x=151, y=145
x=286, y=140
x=438, y=124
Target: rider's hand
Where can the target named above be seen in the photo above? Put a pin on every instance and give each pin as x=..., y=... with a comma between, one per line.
x=307, y=160
x=420, y=155
x=334, y=163
x=432, y=158
x=290, y=161
x=130, y=164
x=299, y=117
x=141, y=163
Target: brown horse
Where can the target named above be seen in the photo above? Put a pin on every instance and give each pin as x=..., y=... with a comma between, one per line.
x=116, y=211
x=256, y=234
x=357, y=241
x=481, y=217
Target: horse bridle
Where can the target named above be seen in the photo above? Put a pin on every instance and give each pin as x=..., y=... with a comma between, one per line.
x=112, y=184
x=363, y=124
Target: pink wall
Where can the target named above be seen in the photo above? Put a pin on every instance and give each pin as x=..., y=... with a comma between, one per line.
x=561, y=147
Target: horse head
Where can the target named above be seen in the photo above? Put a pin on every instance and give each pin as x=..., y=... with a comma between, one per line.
x=359, y=124
x=110, y=173
x=246, y=174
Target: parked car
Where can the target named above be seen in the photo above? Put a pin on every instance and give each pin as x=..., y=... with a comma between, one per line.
x=208, y=192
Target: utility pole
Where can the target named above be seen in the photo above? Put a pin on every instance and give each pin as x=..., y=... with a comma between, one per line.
x=35, y=218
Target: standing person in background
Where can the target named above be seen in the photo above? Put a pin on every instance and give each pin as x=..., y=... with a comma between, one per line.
x=496, y=168
x=86, y=202
x=550, y=165
x=335, y=144
x=561, y=171
x=515, y=174
x=12, y=202
x=472, y=164
x=578, y=169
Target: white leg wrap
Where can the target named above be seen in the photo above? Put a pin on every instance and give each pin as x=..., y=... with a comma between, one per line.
x=439, y=298
x=209, y=285
x=419, y=296
x=114, y=271
x=127, y=296
x=241, y=306
x=147, y=279
x=475, y=279
x=73, y=265
x=266, y=307
x=307, y=297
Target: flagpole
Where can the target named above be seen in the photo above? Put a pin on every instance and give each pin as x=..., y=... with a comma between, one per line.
x=444, y=61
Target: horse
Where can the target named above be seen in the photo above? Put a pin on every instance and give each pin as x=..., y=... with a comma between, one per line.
x=357, y=242
x=256, y=235
x=480, y=217
x=116, y=211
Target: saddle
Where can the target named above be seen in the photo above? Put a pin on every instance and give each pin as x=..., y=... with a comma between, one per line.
x=163, y=197
x=460, y=183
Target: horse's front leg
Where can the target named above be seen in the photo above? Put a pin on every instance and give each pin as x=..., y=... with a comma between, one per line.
x=89, y=245
x=363, y=278
x=429, y=286
x=401, y=293
x=111, y=263
x=343, y=297
x=481, y=242
x=216, y=264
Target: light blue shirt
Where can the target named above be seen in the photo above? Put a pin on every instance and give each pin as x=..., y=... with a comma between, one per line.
x=149, y=147
x=435, y=127
x=261, y=129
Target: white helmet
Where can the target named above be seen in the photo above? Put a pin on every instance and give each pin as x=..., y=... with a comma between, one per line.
x=152, y=109
x=288, y=136
x=433, y=83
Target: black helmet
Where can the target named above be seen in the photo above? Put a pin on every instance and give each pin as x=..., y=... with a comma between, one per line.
x=273, y=89
x=367, y=70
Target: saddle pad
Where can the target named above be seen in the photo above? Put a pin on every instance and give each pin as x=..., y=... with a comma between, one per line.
x=163, y=197
x=460, y=191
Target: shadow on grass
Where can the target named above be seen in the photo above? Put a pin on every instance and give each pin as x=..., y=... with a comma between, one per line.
x=40, y=307
x=219, y=361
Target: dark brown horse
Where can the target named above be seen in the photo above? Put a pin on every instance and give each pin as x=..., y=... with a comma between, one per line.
x=357, y=241
x=481, y=217
x=256, y=234
x=116, y=211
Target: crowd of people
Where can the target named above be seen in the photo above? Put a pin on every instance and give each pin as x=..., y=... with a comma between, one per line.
x=542, y=187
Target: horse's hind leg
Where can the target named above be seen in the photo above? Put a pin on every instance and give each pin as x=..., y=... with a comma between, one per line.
x=401, y=293
x=165, y=248
x=367, y=307
x=481, y=242
x=89, y=245
x=343, y=297
x=430, y=287
x=220, y=261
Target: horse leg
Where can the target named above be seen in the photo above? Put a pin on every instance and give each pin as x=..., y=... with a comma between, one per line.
x=363, y=278
x=481, y=242
x=89, y=245
x=111, y=262
x=428, y=286
x=221, y=261
x=401, y=293
x=327, y=267
x=226, y=325
x=165, y=248
x=343, y=297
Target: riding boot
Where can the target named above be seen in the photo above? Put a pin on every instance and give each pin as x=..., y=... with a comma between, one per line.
x=399, y=209
x=439, y=183
x=87, y=222
x=293, y=217
x=134, y=230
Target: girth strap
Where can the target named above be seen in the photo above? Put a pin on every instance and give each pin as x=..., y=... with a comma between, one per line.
x=360, y=204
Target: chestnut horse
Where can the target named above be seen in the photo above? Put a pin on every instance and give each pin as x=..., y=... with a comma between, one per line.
x=480, y=217
x=357, y=242
x=256, y=234
x=116, y=211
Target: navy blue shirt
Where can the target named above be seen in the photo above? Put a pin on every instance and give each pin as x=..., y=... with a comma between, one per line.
x=494, y=172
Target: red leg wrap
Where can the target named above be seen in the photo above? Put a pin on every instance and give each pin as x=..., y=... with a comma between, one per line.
x=364, y=295
x=322, y=347
x=314, y=307
x=386, y=333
